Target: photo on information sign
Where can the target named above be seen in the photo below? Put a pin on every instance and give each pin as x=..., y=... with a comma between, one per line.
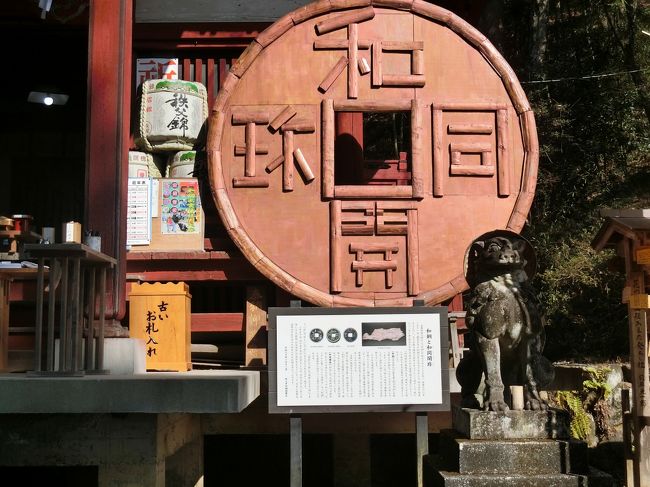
x=383, y=334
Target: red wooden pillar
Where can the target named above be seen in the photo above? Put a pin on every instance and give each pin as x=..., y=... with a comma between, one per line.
x=107, y=135
x=349, y=147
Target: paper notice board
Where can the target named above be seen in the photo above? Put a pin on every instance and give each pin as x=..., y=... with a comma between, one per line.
x=138, y=215
x=177, y=221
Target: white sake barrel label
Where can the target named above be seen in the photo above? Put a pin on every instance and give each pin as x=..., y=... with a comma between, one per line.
x=172, y=114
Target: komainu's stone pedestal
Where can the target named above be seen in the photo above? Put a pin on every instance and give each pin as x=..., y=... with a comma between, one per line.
x=511, y=425
x=515, y=448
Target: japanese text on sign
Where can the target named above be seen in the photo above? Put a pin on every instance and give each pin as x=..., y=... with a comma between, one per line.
x=138, y=217
x=153, y=320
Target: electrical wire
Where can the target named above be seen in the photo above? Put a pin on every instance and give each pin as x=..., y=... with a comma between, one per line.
x=578, y=78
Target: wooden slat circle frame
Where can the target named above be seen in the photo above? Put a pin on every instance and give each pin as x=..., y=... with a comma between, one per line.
x=418, y=7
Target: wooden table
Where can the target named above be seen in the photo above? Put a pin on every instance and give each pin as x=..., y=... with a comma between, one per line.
x=79, y=274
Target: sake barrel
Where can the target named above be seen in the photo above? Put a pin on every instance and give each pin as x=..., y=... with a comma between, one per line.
x=171, y=115
x=143, y=165
x=157, y=165
x=139, y=164
x=182, y=164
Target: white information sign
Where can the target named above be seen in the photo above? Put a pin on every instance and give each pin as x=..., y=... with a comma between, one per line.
x=138, y=215
x=359, y=359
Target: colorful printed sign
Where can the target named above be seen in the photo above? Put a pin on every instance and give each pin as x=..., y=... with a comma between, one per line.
x=181, y=204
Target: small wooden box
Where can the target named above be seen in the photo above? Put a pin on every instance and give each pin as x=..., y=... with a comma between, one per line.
x=71, y=232
x=160, y=314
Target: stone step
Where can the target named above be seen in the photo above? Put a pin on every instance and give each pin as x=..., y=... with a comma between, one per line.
x=434, y=476
x=535, y=457
x=453, y=479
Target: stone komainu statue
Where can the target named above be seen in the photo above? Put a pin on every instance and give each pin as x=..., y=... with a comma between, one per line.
x=506, y=328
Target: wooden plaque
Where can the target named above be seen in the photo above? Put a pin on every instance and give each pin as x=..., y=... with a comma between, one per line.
x=643, y=255
x=293, y=176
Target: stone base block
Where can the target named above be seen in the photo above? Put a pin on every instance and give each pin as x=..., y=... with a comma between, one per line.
x=510, y=425
x=534, y=457
x=122, y=356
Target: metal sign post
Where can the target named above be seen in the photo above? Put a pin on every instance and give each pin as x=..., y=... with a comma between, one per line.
x=295, y=438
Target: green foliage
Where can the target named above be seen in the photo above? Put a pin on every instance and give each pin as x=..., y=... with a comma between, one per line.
x=589, y=402
x=594, y=153
x=188, y=156
x=386, y=134
x=596, y=385
x=580, y=424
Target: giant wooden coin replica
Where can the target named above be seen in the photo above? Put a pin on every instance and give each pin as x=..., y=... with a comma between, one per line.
x=280, y=152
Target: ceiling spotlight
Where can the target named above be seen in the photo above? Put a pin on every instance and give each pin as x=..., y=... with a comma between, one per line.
x=47, y=98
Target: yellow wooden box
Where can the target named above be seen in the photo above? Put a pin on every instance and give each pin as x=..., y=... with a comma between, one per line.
x=159, y=313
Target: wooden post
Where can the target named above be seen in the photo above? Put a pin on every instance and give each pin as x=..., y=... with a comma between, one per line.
x=109, y=105
x=4, y=321
x=90, y=335
x=626, y=407
x=328, y=127
x=255, y=326
x=353, y=59
x=38, y=328
x=438, y=153
x=287, y=168
x=638, y=327
x=99, y=364
x=63, y=314
x=51, y=307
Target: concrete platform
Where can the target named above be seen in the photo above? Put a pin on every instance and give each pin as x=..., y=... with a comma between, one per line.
x=200, y=391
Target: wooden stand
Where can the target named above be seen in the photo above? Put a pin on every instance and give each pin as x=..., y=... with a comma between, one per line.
x=80, y=275
x=4, y=321
x=628, y=231
x=7, y=276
